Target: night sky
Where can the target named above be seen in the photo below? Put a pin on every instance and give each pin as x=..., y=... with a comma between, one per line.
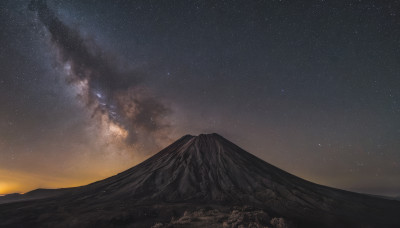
x=91, y=88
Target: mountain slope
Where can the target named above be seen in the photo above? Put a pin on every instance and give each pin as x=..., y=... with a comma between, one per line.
x=208, y=170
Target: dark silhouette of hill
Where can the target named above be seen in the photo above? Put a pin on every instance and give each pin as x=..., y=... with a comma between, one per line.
x=200, y=181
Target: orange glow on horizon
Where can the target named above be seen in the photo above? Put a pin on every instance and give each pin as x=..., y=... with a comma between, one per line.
x=22, y=182
x=8, y=187
x=28, y=183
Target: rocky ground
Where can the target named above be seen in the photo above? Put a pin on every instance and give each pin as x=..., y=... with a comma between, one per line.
x=236, y=217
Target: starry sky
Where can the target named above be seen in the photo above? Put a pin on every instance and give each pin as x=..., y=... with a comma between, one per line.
x=91, y=88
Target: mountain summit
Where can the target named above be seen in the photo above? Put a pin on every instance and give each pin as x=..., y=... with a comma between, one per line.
x=210, y=174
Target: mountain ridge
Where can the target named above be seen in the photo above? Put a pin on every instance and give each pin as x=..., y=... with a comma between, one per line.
x=210, y=171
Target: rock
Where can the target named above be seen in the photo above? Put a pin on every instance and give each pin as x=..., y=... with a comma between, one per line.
x=281, y=223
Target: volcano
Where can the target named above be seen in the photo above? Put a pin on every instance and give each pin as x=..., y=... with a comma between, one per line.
x=199, y=181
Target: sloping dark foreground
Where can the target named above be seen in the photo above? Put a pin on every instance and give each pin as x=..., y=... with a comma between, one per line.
x=203, y=181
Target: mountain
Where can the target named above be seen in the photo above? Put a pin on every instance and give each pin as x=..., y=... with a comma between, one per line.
x=35, y=194
x=202, y=181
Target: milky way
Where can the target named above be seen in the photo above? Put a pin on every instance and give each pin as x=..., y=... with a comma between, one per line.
x=109, y=92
